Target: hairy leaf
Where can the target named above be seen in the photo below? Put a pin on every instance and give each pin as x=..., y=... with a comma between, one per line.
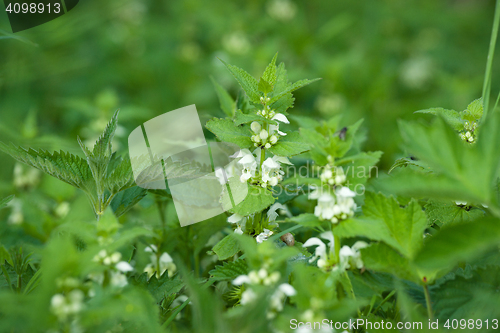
x=226, y=131
x=289, y=145
x=229, y=270
x=227, y=103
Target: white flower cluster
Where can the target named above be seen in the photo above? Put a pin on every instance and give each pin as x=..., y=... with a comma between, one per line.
x=165, y=261
x=334, y=208
x=333, y=176
x=267, y=137
x=64, y=306
x=468, y=133
x=272, y=214
x=262, y=277
x=117, y=268
x=270, y=173
x=349, y=257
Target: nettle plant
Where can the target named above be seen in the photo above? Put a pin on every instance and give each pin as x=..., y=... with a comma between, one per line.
x=312, y=240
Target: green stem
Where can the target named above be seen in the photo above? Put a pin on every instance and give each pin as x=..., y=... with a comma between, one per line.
x=428, y=302
x=489, y=61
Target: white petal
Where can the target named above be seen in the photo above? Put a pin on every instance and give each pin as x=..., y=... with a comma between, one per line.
x=151, y=248
x=282, y=159
x=165, y=258
x=287, y=289
x=124, y=266
x=281, y=117
x=345, y=192
x=241, y=279
x=235, y=218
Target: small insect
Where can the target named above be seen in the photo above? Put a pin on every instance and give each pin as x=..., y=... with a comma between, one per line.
x=343, y=133
x=288, y=239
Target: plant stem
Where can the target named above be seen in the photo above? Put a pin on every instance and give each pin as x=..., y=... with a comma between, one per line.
x=428, y=302
x=489, y=61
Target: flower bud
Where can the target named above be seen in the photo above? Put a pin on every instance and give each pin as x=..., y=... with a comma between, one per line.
x=263, y=134
x=273, y=139
x=267, y=145
x=255, y=126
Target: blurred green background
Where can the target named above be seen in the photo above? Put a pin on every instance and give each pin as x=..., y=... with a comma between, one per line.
x=379, y=60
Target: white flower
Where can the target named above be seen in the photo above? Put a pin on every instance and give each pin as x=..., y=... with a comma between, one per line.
x=333, y=176
x=248, y=296
x=249, y=164
x=263, y=135
x=124, y=266
x=64, y=306
x=276, y=302
x=165, y=261
x=263, y=235
x=256, y=127
x=272, y=214
x=258, y=277
x=240, y=221
x=275, y=128
x=351, y=256
x=271, y=170
x=326, y=256
x=334, y=208
x=118, y=280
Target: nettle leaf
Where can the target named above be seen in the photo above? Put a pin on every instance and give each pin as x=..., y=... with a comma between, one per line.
x=64, y=166
x=277, y=94
x=125, y=200
x=457, y=243
x=227, y=247
x=270, y=73
x=120, y=176
x=474, y=111
x=340, y=144
x=227, y=103
x=229, y=270
x=412, y=162
x=358, y=168
x=226, y=131
x=257, y=200
x=246, y=81
x=159, y=288
x=291, y=144
x=452, y=117
x=265, y=86
x=444, y=213
x=403, y=227
x=244, y=118
x=382, y=258
x=4, y=202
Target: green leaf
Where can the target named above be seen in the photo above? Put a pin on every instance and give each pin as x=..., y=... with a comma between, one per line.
x=405, y=161
x=227, y=103
x=125, y=200
x=246, y=81
x=244, y=118
x=120, y=176
x=458, y=243
x=475, y=109
x=289, y=145
x=306, y=220
x=402, y=228
x=270, y=73
x=264, y=86
x=257, y=199
x=338, y=146
x=64, y=166
x=229, y=270
x=277, y=94
x=226, y=131
x=358, y=168
x=5, y=201
x=162, y=287
x=226, y=247
x=444, y=213
x=452, y=117
x=382, y=258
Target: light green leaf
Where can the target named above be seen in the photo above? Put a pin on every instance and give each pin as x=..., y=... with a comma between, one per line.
x=405, y=161
x=404, y=226
x=257, y=199
x=360, y=167
x=244, y=118
x=226, y=131
x=444, y=213
x=229, y=270
x=227, y=247
x=306, y=220
x=5, y=201
x=227, y=103
x=289, y=145
x=277, y=94
x=452, y=117
x=246, y=81
x=264, y=86
x=270, y=72
x=125, y=200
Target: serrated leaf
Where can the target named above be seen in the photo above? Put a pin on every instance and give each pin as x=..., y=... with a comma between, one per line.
x=64, y=166
x=382, y=258
x=124, y=200
x=270, y=72
x=452, y=117
x=404, y=226
x=227, y=103
x=4, y=202
x=162, y=287
x=229, y=270
x=405, y=161
x=338, y=146
x=246, y=81
x=226, y=247
x=358, y=168
x=458, y=243
x=475, y=109
x=290, y=145
x=226, y=131
x=244, y=118
x=264, y=86
x=444, y=213
x=257, y=199
x=277, y=94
